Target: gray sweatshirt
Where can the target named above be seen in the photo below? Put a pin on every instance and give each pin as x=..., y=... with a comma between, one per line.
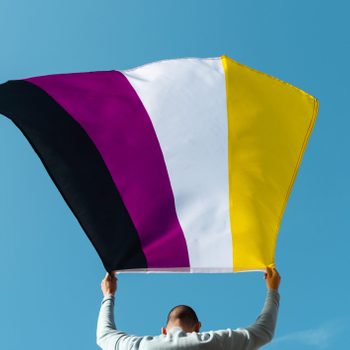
x=252, y=337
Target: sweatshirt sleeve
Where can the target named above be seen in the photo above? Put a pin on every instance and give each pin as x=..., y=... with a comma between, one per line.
x=256, y=335
x=105, y=324
x=262, y=331
x=107, y=335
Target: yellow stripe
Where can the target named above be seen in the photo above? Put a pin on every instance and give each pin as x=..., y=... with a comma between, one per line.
x=269, y=124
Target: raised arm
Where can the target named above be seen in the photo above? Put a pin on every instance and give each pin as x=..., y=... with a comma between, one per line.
x=262, y=331
x=105, y=325
x=107, y=335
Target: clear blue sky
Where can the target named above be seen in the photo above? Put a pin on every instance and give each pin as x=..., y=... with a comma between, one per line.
x=49, y=298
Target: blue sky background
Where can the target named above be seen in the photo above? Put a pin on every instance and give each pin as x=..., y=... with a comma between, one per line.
x=50, y=273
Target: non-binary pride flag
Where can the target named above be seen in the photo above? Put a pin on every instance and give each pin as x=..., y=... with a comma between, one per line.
x=177, y=165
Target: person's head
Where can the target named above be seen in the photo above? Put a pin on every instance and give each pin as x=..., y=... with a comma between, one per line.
x=184, y=317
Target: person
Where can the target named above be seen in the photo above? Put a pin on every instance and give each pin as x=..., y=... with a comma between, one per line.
x=182, y=330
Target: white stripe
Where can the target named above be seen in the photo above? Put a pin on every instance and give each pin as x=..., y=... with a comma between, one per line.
x=186, y=101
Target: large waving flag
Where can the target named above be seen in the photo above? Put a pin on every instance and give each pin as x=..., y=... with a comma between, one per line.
x=177, y=165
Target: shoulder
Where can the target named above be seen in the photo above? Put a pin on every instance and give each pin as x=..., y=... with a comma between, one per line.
x=228, y=337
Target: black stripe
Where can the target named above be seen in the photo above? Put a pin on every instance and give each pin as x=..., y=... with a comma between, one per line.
x=78, y=170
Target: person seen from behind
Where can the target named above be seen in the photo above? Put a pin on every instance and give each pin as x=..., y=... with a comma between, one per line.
x=182, y=330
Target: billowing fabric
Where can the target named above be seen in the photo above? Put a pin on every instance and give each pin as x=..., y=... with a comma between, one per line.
x=177, y=165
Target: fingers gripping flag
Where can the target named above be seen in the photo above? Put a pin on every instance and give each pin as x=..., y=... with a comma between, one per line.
x=177, y=165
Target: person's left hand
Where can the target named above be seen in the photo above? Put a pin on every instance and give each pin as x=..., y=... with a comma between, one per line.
x=109, y=284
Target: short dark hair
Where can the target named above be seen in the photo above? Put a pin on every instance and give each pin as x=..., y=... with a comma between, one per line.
x=185, y=314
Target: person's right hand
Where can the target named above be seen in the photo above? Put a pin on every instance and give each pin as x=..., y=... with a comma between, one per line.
x=272, y=278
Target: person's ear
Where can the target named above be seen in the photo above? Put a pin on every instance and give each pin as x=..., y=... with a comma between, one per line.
x=198, y=327
x=163, y=330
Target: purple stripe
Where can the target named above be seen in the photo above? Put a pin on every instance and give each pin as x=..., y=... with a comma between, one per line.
x=109, y=110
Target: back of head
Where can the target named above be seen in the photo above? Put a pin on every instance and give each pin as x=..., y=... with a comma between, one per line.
x=183, y=316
